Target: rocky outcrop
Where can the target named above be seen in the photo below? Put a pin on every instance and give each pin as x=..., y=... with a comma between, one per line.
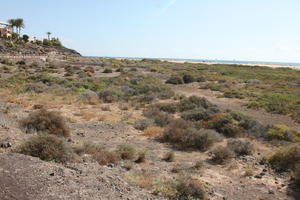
x=32, y=49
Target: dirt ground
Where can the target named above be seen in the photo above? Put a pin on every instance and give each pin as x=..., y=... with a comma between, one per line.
x=24, y=177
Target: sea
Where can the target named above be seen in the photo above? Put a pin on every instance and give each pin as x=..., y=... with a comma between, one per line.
x=219, y=61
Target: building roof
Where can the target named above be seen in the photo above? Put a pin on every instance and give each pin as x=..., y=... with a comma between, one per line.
x=4, y=23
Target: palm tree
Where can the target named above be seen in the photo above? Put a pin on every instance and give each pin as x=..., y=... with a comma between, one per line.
x=19, y=24
x=12, y=23
x=48, y=33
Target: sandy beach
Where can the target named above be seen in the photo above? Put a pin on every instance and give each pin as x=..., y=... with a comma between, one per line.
x=245, y=64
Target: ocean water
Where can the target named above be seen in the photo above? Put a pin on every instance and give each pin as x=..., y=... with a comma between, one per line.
x=220, y=61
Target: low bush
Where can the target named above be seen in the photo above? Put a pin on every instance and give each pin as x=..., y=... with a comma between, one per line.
x=110, y=95
x=160, y=118
x=188, y=188
x=286, y=158
x=181, y=134
x=126, y=151
x=282, y=132
x=169, y=157
x=120, y=70
x=98, y=153
x=201, y=79
x=253, y=127
x=105, y=157
x=46, y=121
x=227, y=127
x=107, y=70
x=48, y=148
x=187, y=78
x=166, y=107
x=221, y=155
x=175, y=80
x=234, y=94
x=88, y=148
x=199, y=114
x=193, y=102
x=143, y=124
x=153, y=131
x=141, y=157
x=241, y=147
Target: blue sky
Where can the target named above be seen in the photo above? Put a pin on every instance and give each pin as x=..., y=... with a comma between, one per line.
x=263, y=30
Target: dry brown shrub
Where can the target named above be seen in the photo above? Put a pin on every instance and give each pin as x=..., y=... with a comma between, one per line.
x=154, y=131
x=105, y=157
x=50, y=122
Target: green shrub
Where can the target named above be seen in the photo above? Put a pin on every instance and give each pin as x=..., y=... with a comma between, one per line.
x=187, y=78
x=226, y=126
x=50, y=122
x=234, y=94
x=194, y=102
x=181, y=134
x=282, y=132
x=126, y=151
x=201, y=79
x=221, y=155
x=166, y=107
x=47, y=147
x=160, y=118
x=286, y=158
x=110, y=95
x=241, y=147
x=174, y=80
x=199, y=114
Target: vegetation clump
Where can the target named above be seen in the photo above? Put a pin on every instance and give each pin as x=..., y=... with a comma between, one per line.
x=221, y=155
x=143, y=124
x=48, y=148
x=126, y=151
x=286, y=158
x=187, y=78
x=181, y=134
x=50, y=122
x=282, y=132
x=188, y=188
x=107, y=70
x=241, y=147
x=169, y=157
x=175, y=80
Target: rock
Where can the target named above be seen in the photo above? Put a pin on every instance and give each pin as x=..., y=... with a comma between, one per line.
x=271, y=192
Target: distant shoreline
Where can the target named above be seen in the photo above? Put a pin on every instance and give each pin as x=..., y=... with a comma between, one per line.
x=295, y=66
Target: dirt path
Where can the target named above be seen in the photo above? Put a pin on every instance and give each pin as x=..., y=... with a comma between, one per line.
x=236, y=105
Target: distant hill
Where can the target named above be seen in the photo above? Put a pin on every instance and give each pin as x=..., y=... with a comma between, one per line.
x=33, y=49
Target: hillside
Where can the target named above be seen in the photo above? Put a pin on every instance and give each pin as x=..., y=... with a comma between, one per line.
x=33, y=49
